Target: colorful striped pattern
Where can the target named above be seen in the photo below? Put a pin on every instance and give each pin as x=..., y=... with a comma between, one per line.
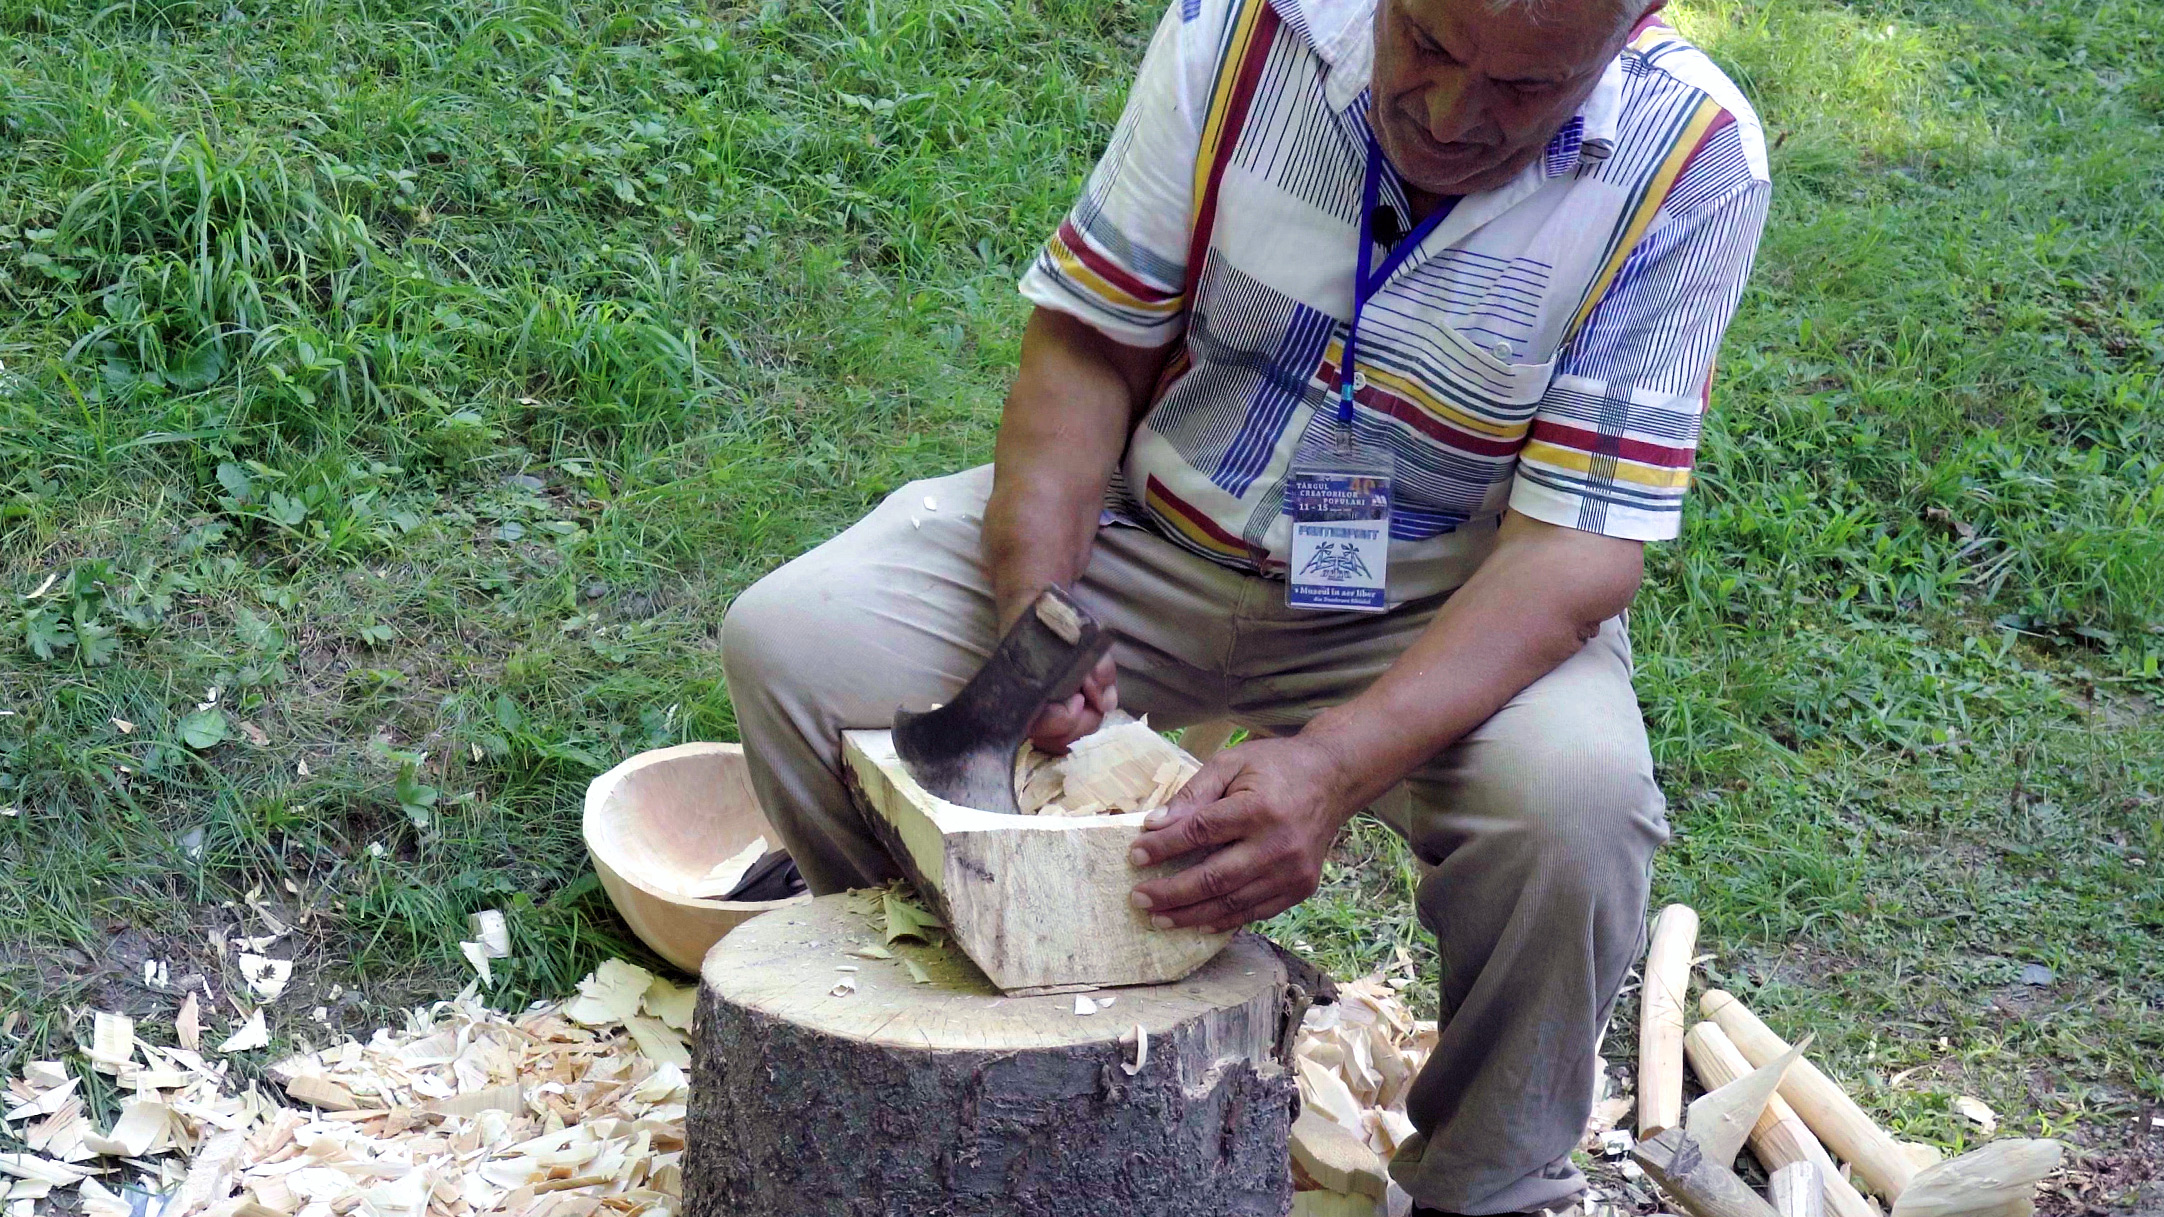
x=1510, y=364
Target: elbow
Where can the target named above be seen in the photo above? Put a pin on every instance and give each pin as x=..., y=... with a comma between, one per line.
x=1611, y=583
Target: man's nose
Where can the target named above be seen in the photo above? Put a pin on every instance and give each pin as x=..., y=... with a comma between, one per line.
x=1454, y=112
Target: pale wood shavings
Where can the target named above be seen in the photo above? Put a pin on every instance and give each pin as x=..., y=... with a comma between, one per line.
x=268, y=977
x=673, y=1004
x=489, y=928
x=188, y=1024
x=611, y=995
x=1120, y=767
x=112, y=1041
x=1357, y=1059
x=252, y=1035
x=462, y=1112
x=717, y=883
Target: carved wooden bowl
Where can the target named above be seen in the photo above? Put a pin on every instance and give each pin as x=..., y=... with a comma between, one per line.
x=660, y=822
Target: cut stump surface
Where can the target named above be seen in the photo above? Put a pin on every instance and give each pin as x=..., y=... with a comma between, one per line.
x=945, y=1099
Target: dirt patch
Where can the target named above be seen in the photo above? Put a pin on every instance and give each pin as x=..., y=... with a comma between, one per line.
x=2121, y=1171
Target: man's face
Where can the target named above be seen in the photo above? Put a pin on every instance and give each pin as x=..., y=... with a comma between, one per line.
x=1464, y=98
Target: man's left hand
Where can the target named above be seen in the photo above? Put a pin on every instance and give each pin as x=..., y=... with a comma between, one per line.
x=1269, y=810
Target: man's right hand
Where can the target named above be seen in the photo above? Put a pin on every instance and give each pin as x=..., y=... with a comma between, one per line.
x=1061, y=723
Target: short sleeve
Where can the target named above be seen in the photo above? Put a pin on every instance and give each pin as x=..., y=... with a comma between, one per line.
x=1119, y=260
x=1614, y=438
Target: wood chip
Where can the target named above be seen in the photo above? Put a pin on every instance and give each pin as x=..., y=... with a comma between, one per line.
x=477, y=955
x=657, y=1040
x=31, y=1166
x=112, y=1042
x=321, y=1092
x=671, y=1003
x=1974, y=1110
x=489, y=928
x=141, y=1126
x=252, y=1035
x=45, y=1104
x=189, y=1025
x=1142, y=1052
x=611, y=995
x=266, y=976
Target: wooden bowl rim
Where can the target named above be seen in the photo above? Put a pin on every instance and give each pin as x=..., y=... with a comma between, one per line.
x=603, y=788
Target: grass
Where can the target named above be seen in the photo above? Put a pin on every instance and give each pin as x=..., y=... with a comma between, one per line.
x=425, y=379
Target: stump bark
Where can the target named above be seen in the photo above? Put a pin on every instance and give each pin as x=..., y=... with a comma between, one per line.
x=945, y=1099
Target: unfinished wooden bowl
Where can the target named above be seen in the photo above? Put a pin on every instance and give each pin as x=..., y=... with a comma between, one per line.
x=662, y=821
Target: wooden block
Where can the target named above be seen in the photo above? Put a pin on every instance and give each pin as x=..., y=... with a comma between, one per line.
x=1039, y=902
x=1336, y=1159
x=1885, y=1167
x=1661, y=1001
x=1780, y=1138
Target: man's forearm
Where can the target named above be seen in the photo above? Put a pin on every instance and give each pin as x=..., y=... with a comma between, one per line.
x=1535, y=601
x=1066, y=423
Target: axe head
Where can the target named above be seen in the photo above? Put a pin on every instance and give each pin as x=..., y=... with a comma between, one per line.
x=964, y=751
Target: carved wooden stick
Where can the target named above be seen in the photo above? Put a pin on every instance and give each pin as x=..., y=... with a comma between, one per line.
x=1661, y=1002
x=1797, y=1192
x=1780, y=1138
x=1846, y=1130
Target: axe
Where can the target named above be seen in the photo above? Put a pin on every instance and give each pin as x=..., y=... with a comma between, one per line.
x=964, y=751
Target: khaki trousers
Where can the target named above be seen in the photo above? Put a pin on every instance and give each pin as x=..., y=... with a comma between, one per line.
x=1537, y=831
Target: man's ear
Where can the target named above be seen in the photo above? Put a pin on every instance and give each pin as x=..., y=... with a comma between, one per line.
x=1644, y=15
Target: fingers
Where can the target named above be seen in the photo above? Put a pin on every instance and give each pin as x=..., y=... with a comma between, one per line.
x=1101, y=687
x=1220, y=875
x=1062, y=723
x=1183, y=830
x=1207, y=786
x=1246, y=892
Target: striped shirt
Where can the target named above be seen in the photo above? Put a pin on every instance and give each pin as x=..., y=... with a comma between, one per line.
x=1547, y=347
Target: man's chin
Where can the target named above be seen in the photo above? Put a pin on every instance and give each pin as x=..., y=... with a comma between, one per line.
x=1451, y=175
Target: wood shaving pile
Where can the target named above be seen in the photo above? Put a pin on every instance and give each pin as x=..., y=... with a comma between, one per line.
x=1357, y=1059
x=563, y=1111
x=1119, y=768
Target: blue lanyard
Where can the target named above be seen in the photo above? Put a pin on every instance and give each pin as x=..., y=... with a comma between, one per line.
x=1367, y=283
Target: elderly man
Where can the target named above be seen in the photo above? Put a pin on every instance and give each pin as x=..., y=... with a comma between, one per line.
x=1372, y=355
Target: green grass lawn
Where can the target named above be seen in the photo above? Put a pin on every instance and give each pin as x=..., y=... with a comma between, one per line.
x=424, y=378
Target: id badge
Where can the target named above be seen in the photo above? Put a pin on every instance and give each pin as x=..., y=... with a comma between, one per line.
x=1340, y=556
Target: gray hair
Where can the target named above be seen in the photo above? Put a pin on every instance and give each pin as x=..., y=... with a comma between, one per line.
x=1543, y=11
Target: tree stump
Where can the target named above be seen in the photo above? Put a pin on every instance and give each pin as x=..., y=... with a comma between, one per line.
x=944, y=1099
